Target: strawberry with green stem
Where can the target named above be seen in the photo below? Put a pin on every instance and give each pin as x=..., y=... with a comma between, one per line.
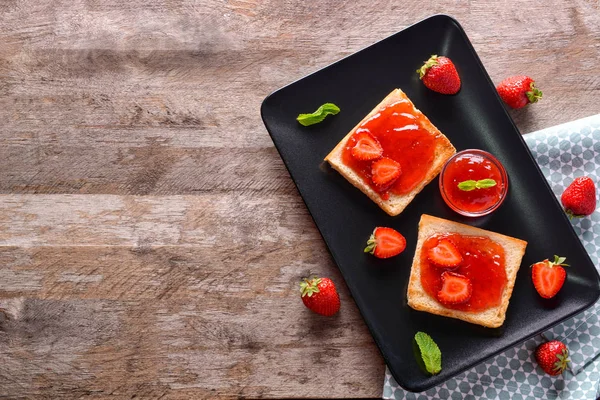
x=320, y=295
x=385, y=242
x=552, y=357
x=439, y=74
x=518, y=91
x=579, y=198
x=549, y=276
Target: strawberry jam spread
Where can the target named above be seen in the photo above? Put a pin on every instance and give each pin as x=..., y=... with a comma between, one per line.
x=403, y=139
x=473, y=166
x=482, y=262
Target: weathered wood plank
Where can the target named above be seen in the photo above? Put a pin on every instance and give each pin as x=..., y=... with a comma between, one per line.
x=183, y=306
x=161, y=272
x=204, y=220
x=109, y=314
x=143, y=170
x=67, y=131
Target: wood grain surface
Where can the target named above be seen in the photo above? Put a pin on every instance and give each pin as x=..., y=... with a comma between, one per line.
x=151, y=239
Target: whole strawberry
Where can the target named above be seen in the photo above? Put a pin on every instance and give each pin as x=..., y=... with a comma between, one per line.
x=518, y=91
x=320, y=296
x=579, y=199
x=439, y=74
x=553, y=357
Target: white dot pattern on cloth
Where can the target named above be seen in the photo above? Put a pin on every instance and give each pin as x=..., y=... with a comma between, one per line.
x=563, y=153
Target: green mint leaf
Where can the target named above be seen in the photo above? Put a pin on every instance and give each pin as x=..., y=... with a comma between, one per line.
x=319, y=115
x=467, y=186
x=485, y=183
x=430, y=353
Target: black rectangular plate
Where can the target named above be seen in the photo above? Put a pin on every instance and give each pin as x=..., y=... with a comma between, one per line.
x=474, y=118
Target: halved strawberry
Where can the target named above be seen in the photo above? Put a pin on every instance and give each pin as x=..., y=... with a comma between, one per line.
x=385, y=172
x=456, y=288
x=549, y=276
x=445, y=254
x=367, y=147
x=385, y=243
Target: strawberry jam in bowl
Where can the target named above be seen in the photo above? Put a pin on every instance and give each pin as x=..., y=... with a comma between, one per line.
x=473, y=183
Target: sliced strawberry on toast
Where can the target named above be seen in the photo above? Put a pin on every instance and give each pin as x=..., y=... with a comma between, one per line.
x=445, y=254
x=367, y=147
x=456, y=288
x=385, y=172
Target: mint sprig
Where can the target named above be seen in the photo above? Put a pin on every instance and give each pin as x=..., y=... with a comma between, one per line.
x=469, y=185
x=319, y=115
x=430, y=353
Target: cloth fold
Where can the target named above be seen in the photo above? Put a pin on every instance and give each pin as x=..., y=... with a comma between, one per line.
x=563, y=153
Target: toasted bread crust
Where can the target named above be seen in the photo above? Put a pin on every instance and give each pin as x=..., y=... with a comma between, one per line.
x=396, y=203
x=419, y=300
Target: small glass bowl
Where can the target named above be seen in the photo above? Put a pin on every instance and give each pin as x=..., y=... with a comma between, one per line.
x=504, y=183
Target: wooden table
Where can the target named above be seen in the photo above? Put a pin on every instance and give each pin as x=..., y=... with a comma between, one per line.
x=151, y=238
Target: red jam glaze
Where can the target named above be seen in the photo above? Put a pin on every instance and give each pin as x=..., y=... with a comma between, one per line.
x=403, y=139
x=483, y=263
x=472, y=167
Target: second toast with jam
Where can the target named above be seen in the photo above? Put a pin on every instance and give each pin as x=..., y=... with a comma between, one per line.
x=460, y=271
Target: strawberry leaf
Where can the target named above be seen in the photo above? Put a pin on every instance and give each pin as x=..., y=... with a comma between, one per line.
x=428, y=64
x=371, y=243
x=560, y=261
x=563, y=361
x=319, y=115
x=309, y=287
x=571, y=215
x=430, y=353
x=534, y=94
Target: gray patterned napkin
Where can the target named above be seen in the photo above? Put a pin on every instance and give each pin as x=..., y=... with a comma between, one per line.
x=563, y=152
